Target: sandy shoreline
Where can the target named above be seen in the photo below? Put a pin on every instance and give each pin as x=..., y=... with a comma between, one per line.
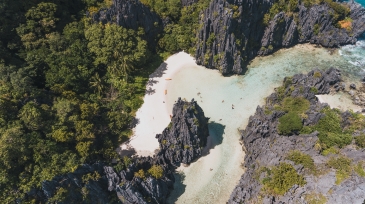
x=339, y=100
x=212, y=178
x=154, y=116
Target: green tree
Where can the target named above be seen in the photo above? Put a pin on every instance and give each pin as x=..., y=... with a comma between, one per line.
x=120, y=49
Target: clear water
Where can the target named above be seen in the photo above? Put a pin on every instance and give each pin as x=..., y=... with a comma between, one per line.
x=212, y=178
x=355, y=53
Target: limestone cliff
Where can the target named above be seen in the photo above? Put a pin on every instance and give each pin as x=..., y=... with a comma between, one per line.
x=138, y=179
x=266, y=148
x=232, y=32
x=132, y=14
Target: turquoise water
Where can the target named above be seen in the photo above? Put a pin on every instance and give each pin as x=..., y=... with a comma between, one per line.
x=212, y=178
x=362, y=2
x=355, y=54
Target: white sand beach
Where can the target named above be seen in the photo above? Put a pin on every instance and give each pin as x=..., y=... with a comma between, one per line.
x=153, y=116
x=212, y=177
x=341, y=101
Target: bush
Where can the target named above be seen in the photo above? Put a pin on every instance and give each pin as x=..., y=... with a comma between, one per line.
x=282, y=178
x=140, y=174
x=289, y=123
x=360, y=141
x=156, y=171
x=300, y=158
x=317, y=75
x=359, y=169
x=316, y=29
x=330, y=131
x=295, y=104
x=331, y=150
x=314, y=90
x=343, y=167
x=315, y=198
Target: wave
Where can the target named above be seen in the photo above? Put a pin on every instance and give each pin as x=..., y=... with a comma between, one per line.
x=355, y=54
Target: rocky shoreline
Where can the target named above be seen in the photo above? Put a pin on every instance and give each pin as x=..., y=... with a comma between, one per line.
x=138, y=179
x=233, y=32
x=267, y=148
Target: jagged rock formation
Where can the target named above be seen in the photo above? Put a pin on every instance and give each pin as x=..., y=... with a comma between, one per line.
x=188, y=2
x=133, y=189
x=132, y=14
x=76, y=187
x=233, y=32
x=133, y=182
x=266, y=148
x=183, y=140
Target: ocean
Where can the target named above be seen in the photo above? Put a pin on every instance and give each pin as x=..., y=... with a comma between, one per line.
x=362, y=2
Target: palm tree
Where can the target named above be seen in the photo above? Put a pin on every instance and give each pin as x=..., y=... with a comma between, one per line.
x=127, y=67
x=97, y=83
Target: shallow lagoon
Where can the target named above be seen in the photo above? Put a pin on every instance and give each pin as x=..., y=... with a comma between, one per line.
x=212, y=178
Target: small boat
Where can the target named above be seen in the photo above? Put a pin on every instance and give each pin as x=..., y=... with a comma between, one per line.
x=165, y=91
x=168, y=79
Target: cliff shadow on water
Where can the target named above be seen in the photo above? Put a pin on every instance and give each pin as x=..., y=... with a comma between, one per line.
x=216, y=131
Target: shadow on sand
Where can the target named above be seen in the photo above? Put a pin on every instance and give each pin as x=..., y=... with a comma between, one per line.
x=216, y=131
x=129, y=151
x=156, y=74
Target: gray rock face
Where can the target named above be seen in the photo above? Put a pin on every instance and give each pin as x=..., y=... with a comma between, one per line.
x=188, y=132
x=132, y=14
x=188, y=2
x=133, y=189
x=265, y=147
x=184, y=139
x=232, y=31
x=95, y=190
x=181, y=142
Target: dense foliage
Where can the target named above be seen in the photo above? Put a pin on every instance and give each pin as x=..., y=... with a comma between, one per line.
x=360, y=141
x=69, y=89
x=290, y=7
x=281, y=178
x=301, y=158
x=343, y=168
x=330, y=131
x=292, y=121
x=289, y=123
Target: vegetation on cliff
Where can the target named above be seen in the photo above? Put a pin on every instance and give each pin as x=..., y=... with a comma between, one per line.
x=68, y=90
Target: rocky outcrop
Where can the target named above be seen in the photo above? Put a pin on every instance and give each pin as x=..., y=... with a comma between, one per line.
x=132, y=14
x=183, y=140
x=147, y=189
x=76, y=186
x=188, y=2
x=141, y=180
x=265, y=147
x=233, y=32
